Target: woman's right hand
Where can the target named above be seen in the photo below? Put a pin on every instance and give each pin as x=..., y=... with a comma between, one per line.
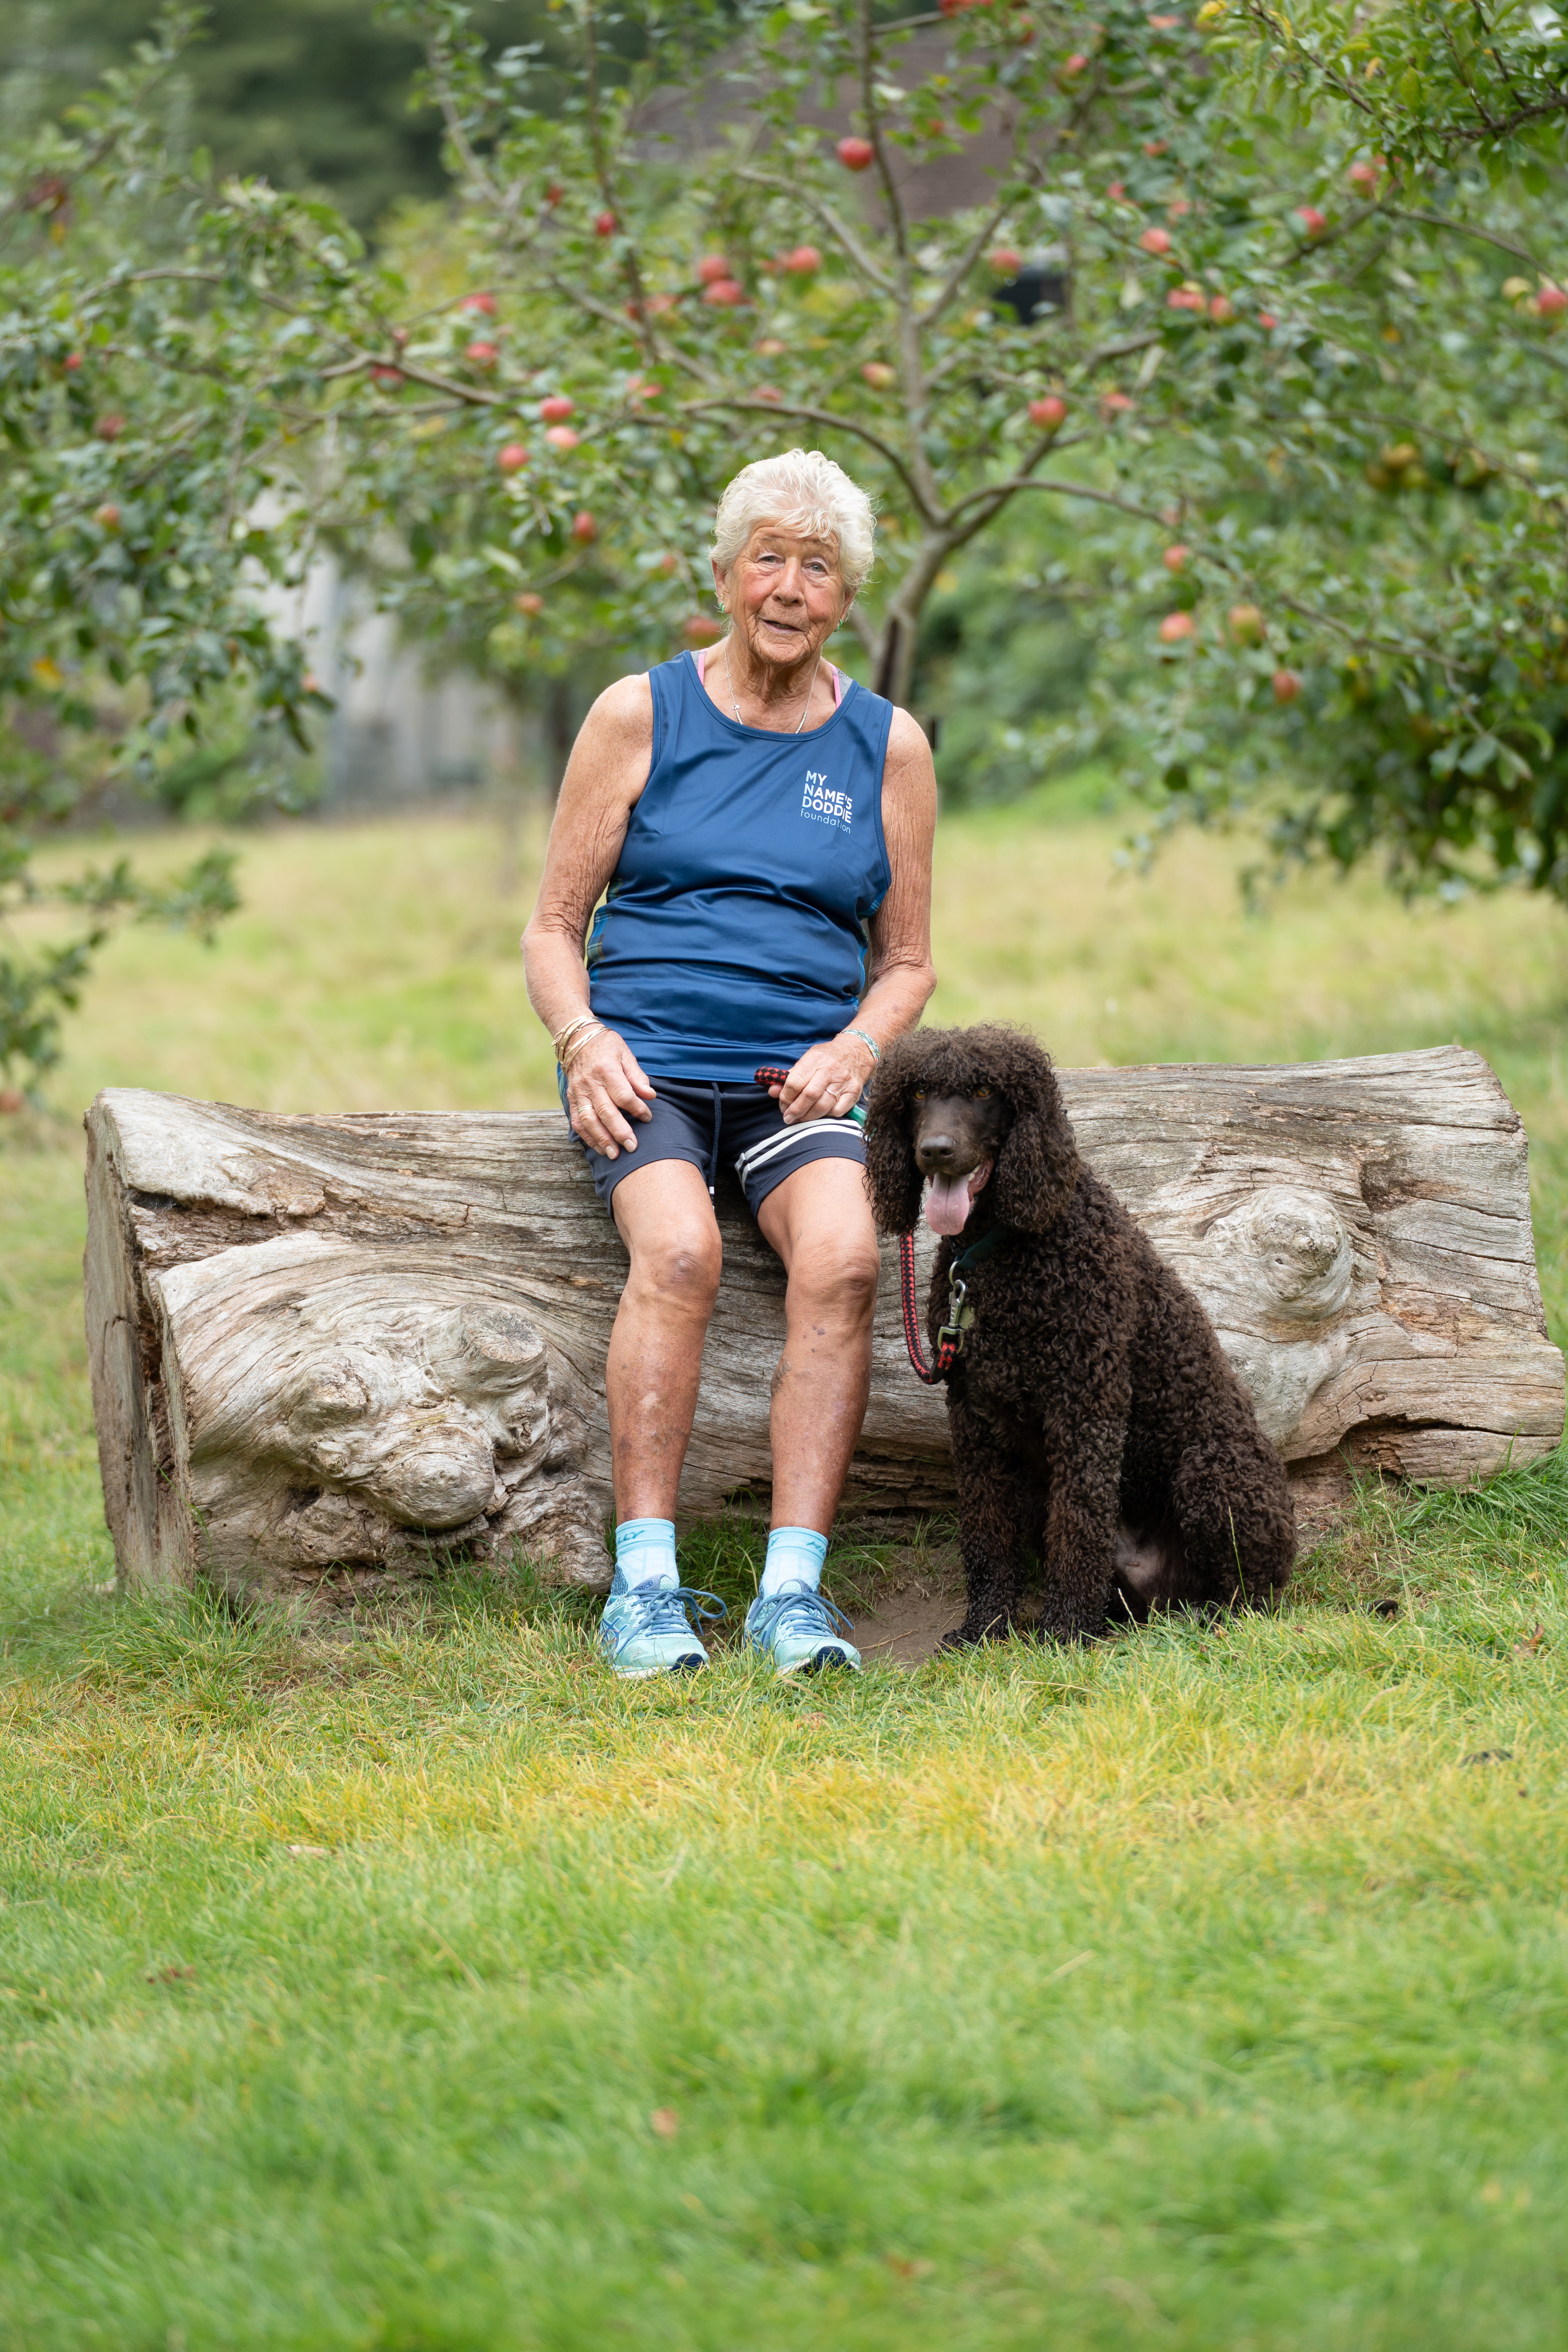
x=605, y=1091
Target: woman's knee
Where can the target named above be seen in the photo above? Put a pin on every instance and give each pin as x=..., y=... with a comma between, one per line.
x=839, y=1275
x=681, y=1263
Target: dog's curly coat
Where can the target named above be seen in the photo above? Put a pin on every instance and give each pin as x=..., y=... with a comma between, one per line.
x=1096, y=1422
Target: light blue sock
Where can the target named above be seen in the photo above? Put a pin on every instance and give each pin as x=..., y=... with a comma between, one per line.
x=794, y=1557
x=645, y=1553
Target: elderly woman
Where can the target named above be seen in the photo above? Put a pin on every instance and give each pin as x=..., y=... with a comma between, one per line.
x=760, y=829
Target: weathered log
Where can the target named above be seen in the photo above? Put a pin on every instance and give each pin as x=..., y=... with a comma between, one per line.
x=331, y=1351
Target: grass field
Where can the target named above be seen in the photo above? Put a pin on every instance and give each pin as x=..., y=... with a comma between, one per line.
x=431, y=1993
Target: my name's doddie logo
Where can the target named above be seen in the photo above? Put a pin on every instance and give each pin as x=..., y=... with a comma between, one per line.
x=828, y=808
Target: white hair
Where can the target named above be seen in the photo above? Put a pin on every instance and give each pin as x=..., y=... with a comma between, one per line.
x=800, y=490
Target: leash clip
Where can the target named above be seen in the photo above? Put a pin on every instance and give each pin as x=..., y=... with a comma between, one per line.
x=960, y=1314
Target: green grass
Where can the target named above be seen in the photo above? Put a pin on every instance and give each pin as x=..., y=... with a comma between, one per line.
x=429, y=1992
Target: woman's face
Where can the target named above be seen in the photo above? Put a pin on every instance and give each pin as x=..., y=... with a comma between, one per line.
x=785, y=594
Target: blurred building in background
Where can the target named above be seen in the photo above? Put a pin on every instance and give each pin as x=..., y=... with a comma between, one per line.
x=404, y=730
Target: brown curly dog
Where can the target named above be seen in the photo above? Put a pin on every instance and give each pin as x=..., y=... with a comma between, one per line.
x=1096, y=1423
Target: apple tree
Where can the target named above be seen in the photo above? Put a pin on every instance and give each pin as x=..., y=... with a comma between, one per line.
x=157, y=358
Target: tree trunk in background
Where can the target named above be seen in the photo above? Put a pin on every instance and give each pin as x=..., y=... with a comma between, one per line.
x=328, y=1352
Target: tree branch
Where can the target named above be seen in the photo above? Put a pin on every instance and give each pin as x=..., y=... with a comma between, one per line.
x=827, y=416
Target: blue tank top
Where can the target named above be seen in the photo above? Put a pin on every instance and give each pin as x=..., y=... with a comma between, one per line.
x=734, y=931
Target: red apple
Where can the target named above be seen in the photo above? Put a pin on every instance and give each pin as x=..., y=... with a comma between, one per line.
x=485, y=303
x=106, y=518
x=1176, y=628
x=1286, y=683
x=584, y=527
x=605, y=224
x=803, y=261
x=1004, y=262
x=855, y=155
x=1048, y=413
x=529, y=600
x=561, y=437
x=1314, y=222
x=878, y=374
x=712, y=268
x=723, y=294
x=512, y=458
x=483, y=354
x=1176, y=558
x=110, y=427
x=556, y=409
x=1155, y=240
x=1549, y=303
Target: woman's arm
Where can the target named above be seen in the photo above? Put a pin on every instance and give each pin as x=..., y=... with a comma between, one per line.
x=605, y=778
x=827, y=1083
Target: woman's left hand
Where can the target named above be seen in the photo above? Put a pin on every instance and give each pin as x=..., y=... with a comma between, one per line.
x=827, y=1081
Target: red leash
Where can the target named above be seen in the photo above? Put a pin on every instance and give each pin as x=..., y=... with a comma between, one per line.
x=949, y=1340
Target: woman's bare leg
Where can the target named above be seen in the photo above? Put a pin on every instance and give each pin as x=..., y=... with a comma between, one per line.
x=819, y=1222
x=665, y=1220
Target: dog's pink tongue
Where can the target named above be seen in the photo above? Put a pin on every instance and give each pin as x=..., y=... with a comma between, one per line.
x=947, y=1202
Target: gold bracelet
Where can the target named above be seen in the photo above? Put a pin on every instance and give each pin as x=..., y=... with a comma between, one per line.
x=578, y=1043
x=567, y=1030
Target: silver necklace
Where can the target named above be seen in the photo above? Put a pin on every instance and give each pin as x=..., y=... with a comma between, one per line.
x=736, y=708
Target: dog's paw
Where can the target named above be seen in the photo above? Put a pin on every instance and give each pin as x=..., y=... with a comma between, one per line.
x=1069, y=1633
x=996, y=1627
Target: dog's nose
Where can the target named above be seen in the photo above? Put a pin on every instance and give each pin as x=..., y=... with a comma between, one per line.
x=933, y=1154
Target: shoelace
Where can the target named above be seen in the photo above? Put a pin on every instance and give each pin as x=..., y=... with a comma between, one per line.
x=662, y=1608
x=800, y=1609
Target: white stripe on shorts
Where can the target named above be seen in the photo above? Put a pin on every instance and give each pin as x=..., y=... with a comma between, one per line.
x=761, y=1153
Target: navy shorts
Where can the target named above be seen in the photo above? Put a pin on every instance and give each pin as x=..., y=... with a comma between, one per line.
x=707, y=1124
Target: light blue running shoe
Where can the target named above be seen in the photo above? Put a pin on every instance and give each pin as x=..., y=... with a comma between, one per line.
x=801, y=1630
x=645, y=1628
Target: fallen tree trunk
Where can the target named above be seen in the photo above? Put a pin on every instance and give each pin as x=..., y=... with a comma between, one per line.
x=331, y=1351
